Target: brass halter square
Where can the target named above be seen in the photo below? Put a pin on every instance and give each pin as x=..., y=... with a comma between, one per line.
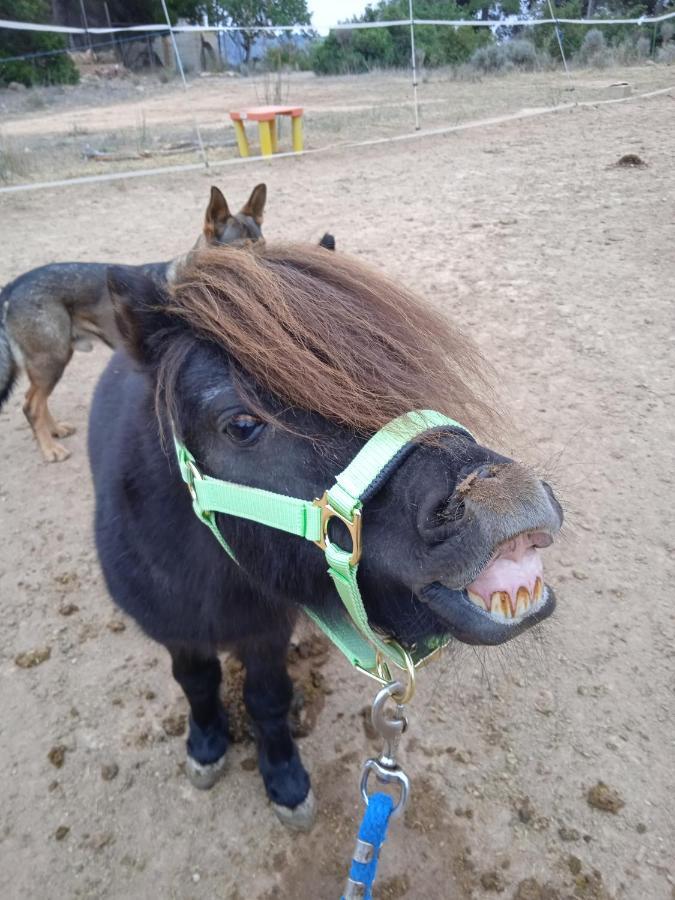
x=353, y=527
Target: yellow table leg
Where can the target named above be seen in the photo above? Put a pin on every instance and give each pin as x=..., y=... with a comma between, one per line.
x=242, y=141
x=273, y=133
x=297, y=134
x=265, y=138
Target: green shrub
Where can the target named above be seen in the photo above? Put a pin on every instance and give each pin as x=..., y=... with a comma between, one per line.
x=666, y=55
x=287, y=55
x=595, y=54
x=361, y=50
x=503, y=58
x=57, y=68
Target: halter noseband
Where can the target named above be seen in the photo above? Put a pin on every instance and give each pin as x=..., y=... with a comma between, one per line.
x=346, y=626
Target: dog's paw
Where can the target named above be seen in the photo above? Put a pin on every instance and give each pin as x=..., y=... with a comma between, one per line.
x=63, y=429
x=55, y=452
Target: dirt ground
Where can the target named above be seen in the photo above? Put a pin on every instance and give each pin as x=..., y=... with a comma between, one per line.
x=102, y=125
x=561, y=266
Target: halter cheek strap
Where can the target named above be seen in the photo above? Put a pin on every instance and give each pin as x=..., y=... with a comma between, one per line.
x=346, y=626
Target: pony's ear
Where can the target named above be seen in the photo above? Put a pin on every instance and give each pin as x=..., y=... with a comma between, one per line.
x=139, y=314
x=255, y=205
x=217, y=214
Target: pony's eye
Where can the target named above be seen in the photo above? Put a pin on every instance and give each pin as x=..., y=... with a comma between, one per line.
x=243, y=428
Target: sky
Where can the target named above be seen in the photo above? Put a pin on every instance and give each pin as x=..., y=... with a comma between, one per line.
x=328, y=12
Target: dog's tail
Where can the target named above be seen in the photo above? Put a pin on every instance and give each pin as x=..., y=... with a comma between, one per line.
x=327, y=242
x=8, y=366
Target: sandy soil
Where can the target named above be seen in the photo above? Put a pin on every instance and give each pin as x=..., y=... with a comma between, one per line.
x=143, y=123
x=561, y=266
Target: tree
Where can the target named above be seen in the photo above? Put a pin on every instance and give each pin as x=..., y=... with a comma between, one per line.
x=252, y=15
x=46, y=62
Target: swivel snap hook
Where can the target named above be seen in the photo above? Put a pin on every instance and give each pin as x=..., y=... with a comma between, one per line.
x=390, y=728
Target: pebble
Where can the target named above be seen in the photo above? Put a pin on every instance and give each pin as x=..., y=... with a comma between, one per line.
x=67, y=609
x=603, y=797
x=31, y=658
x=57, y=755
x=574, y=864
x=492, y=881
x=109, y=771
x=62, y=832
x=568, y=834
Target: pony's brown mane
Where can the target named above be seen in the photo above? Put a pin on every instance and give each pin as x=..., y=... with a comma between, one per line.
x=326, y=333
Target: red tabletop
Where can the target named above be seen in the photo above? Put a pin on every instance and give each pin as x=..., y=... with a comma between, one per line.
x=265, y=113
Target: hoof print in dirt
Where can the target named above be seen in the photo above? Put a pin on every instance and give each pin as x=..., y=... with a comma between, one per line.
x=174, y=725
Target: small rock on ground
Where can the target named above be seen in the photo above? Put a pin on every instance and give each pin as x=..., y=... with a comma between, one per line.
x=603, y=797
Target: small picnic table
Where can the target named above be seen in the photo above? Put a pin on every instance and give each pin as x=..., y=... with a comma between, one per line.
x=266, y=117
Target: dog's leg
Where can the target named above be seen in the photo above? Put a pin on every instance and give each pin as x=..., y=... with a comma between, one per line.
x=41, y=421
x=59, y=429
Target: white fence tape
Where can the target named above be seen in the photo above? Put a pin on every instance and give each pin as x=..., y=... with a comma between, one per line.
x=344, y=26
x=346, y=145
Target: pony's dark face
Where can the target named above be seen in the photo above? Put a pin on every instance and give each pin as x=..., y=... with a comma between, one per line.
x=221, y=226
x=451, y=540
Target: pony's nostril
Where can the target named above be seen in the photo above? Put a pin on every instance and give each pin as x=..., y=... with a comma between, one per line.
x=452, y=511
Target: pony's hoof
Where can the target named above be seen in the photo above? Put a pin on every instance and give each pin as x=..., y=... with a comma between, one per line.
x=201, y=776
x=301, y=817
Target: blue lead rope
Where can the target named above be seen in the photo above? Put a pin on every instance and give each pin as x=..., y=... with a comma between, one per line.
x=372, y=834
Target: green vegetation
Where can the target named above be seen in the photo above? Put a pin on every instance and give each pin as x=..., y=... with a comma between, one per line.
x=362, y=50
x=57, y=68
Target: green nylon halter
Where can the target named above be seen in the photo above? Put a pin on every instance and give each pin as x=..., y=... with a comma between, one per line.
x=347, y=626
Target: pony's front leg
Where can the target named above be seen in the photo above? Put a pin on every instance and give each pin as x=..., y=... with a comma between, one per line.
x=268, y=692
x=199, y=674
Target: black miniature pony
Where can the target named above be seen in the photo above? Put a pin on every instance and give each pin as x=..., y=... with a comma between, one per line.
x=273, y=365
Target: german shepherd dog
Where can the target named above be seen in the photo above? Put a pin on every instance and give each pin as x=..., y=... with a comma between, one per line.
x=50, y=311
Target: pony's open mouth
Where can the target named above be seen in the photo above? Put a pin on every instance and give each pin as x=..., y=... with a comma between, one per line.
x=506, y=597
x=512, y=583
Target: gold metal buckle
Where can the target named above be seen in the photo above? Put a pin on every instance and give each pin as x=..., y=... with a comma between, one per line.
x=353, y=527
x=194, y=475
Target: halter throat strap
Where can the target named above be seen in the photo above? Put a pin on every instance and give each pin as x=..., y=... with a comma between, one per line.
x=346, y=626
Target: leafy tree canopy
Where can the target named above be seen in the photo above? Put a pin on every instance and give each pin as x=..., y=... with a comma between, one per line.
x=51, y=68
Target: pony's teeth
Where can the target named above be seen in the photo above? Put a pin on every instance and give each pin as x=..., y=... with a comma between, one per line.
x=477, y=599
x=500, y=602
x=522, y=601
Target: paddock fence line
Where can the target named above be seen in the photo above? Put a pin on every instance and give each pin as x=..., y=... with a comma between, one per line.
x=144, y=145
x=507, y=22
x=346, y=145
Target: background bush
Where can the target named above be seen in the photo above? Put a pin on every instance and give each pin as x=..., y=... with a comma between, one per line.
x=56, y=69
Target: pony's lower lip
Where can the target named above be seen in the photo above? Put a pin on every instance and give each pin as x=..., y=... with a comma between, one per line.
x=471, y=623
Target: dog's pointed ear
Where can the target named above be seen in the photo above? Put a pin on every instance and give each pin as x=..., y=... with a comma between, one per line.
x=255, y=205
x=138, y=304
x=217, y=214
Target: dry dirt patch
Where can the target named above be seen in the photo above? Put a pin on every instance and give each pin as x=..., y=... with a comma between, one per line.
x=561, y=267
